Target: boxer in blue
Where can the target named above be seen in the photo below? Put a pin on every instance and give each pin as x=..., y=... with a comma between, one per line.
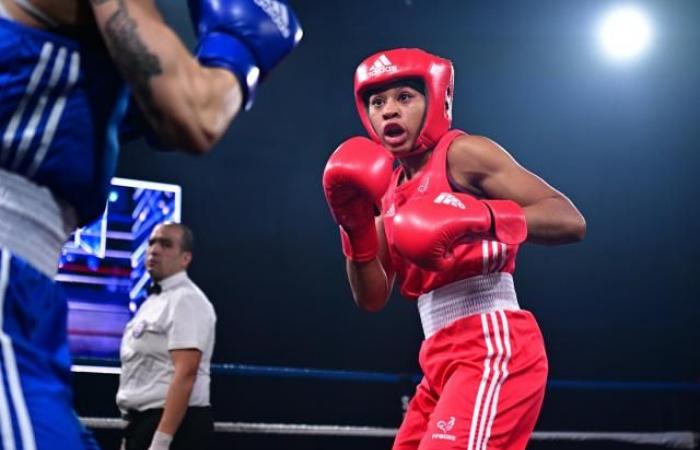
x=67, y=70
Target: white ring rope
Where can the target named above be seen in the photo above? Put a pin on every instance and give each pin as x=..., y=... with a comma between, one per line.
x=670, y=439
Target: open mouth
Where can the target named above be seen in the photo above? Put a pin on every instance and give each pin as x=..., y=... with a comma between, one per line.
x=394, y=134
x=393, y=130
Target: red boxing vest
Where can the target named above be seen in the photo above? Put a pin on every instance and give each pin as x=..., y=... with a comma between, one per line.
x=475, y=258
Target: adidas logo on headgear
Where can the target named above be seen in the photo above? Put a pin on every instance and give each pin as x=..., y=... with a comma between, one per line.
x=448, y=199
x=382, y=65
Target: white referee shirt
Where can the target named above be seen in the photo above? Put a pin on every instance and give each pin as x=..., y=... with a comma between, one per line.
x=180, y=317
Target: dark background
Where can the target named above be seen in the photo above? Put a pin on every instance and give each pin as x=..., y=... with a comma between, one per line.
x=621, y=140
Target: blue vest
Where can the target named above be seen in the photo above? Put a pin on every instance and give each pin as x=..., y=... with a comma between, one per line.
x=61, y=99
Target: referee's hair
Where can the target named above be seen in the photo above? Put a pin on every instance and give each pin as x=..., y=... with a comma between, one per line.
x=187, y=241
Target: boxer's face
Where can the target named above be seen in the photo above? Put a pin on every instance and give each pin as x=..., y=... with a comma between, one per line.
x=397, y=116
x=165, y=256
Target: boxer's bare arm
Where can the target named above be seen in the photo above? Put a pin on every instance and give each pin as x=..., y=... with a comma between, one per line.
x=371, y=282
x=487, y=169
x=188, y=105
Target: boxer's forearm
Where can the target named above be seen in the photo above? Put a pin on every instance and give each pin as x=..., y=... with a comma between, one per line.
x=369, y=284
x=187, y=105
x=554, y=221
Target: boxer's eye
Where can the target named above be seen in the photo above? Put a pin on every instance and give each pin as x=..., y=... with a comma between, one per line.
x=377, y=102
x=405, y=96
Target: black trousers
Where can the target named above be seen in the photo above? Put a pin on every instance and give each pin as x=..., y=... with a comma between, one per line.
x=195, y=432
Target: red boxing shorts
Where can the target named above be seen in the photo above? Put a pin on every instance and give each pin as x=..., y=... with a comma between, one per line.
x=483, y=385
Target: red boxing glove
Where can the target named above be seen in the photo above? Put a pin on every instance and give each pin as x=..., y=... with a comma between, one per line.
x=509, y=225
x=355, y=179
x=427, y=229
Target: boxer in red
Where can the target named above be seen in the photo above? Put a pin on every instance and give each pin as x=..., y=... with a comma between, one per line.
x=452, y=215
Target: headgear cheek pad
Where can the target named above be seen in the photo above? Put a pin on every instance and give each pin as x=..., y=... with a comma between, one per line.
x=393, y=65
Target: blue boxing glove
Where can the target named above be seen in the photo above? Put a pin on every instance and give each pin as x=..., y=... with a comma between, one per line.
x=247, y=37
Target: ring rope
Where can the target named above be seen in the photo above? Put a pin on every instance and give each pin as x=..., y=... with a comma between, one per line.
x=111, y=366
x=670, y=439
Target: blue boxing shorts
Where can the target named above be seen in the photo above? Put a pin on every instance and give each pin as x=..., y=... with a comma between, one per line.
x=36, y=410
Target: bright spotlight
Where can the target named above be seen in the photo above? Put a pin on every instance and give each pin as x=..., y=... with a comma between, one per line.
x=625, y=33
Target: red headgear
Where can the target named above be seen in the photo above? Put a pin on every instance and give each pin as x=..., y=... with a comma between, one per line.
x=393, y=65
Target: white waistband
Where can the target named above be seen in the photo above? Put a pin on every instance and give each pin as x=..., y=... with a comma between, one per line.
x=476, y=295
x=33, y=225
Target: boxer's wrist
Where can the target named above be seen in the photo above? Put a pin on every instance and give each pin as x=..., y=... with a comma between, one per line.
x=508, y=222
x=360, y=246
x=223, y=51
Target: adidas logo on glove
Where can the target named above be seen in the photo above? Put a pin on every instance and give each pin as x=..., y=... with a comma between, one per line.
x=278, y=13
x=382, y=65
x=449, y=199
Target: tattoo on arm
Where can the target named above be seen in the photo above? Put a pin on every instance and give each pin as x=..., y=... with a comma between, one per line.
x=130, y=53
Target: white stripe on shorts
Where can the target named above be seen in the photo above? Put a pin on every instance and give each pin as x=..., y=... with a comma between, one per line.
x=504, y=372
x=8, y=437
x=10, y=363
x=482, y=385
x=485, y=407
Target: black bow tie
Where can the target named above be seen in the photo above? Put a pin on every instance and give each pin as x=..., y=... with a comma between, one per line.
x=154, y=289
